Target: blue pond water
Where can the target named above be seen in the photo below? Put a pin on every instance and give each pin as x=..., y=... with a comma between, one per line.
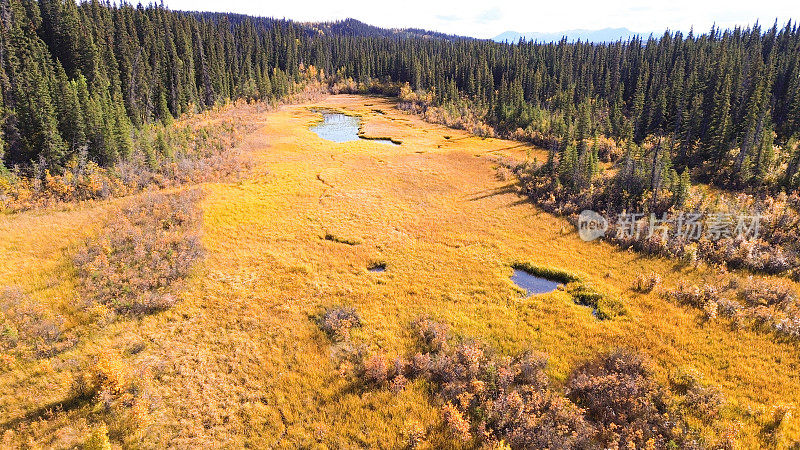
x=377, y=268
x=532, y=284
x=340, y=128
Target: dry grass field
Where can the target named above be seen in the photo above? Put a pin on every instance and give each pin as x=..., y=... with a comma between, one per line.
x=239, y=361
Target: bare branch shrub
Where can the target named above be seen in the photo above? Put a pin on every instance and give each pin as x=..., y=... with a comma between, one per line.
x=646, y=283
x=29, y=328
x=336, y=322
x=136, y=262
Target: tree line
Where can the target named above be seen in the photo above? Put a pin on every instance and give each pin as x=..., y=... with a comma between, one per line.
x=84, y=75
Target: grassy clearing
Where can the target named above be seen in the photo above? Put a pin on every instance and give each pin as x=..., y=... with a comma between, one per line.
x=237, y=360
x=761, y=305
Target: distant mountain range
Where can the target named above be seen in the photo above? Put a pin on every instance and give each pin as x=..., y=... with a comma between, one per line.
x=356, y=28
x=353, y=27
x=604, y=35
x=345, y=27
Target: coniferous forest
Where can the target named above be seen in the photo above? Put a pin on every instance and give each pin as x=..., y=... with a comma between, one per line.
x=85, y=75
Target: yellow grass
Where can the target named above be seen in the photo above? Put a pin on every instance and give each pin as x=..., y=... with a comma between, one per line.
x=240, y=361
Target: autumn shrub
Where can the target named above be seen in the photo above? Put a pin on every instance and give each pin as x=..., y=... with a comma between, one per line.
x=646, y=283
x=336, y=322
x=432, y=335
x=762, y=305
x=789, y=327
x=398, y=383
x=694, y=295
x=376, y=369
x=120, y=393
x=770, y=306
x=757, y=292
x=455, y=114
x=458, y=425
x=532, y=418
x=699, y=399
x=620, y=396
x=774, y=249
x=486, y=398
x=489, y=400
x=729, y=308
x=135, y=264
x=415, y=435
x=706, y=298
x=503, y=174
x=28, y=328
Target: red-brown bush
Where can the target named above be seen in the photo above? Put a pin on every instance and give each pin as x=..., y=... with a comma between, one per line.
x=29, y=328
x=622, y=399
x=137, y=260
x=490, y=398
x=757, y=292
x=336, y=322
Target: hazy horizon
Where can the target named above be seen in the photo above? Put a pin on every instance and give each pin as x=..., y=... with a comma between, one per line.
x=477, y=19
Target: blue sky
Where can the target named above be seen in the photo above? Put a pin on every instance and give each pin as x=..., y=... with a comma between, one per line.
x=487, y=19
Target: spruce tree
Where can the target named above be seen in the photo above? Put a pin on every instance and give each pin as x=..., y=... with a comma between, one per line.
x=568, y=166
x=71, y=122
x=720, y=124
x=681, y=191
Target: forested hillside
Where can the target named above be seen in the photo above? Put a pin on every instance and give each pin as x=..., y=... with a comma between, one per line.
x=85, y=75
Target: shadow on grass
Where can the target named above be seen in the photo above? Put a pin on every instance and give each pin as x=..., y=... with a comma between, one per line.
x=507, y=189
x=510, y=147
x=66, y=405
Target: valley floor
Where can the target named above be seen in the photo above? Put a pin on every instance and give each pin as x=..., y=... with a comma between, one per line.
x=242, y=361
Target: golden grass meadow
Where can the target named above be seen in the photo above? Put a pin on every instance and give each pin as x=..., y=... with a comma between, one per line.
x=239, y=360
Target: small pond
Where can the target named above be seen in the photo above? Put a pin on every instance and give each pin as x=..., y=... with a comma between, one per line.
x=340, y=128
x=377, y=268
x=533, y=284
